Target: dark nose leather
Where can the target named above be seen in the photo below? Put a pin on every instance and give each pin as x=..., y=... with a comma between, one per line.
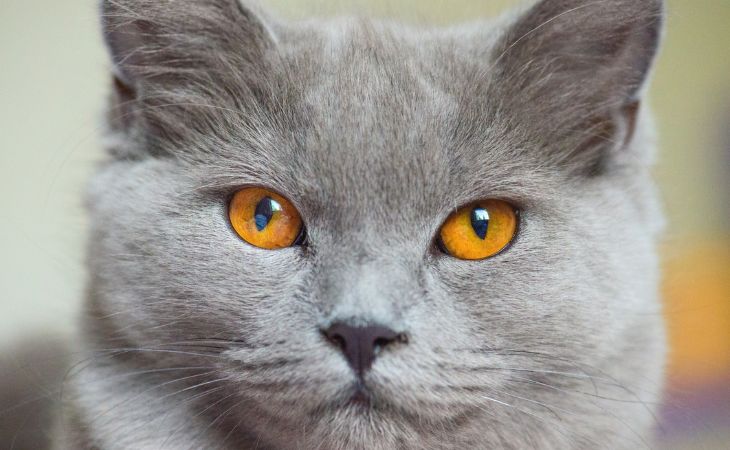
x=361, y=345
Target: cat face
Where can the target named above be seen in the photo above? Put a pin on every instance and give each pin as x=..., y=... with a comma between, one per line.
x=376, y=133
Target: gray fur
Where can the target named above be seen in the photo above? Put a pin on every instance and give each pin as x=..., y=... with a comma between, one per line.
x=376, y=131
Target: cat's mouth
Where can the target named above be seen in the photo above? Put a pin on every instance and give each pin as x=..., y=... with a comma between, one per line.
x=361, y=397
x=364, y=402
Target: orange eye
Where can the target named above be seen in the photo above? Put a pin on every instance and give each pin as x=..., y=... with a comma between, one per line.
x=265, y=219
x=479, y=230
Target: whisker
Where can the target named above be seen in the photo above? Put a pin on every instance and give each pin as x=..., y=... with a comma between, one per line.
x=152, y=350
x=219, y=417
x=604, y=410
x=539, y=418
x=149, y=389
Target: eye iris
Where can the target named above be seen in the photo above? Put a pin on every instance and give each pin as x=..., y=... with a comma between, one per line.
x=479, y=230
x=265, y=210
x=480, y=222
x=264, y=218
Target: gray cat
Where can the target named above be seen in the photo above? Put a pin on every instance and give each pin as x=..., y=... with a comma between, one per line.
x=364, y=322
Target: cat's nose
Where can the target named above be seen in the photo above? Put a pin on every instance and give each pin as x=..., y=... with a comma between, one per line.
x=361, y=345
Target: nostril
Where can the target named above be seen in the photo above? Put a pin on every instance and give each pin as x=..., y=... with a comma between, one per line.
x=381, y=342
x=400, y=338
x=335, y=338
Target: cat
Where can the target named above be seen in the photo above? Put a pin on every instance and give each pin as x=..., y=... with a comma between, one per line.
x=367, y=332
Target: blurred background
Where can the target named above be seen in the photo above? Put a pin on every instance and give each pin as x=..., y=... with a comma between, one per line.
x=53, y=79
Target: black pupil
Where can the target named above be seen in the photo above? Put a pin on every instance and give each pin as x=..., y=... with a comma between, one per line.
x=265, y=211
x=480, y=222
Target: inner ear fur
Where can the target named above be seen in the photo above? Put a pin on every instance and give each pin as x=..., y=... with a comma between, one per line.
x=571, y=73
x=170, y=55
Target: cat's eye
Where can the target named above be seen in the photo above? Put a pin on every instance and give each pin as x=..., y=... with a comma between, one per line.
x=265, y=219
x=479, y=230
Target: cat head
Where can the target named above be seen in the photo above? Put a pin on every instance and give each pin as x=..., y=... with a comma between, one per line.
x=376, y=133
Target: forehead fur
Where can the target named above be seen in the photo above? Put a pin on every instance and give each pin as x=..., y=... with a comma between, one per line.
x=371, y=115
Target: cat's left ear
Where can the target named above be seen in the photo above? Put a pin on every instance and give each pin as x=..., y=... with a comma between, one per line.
x=571, y=73
x=167, y=52
x=162, y=41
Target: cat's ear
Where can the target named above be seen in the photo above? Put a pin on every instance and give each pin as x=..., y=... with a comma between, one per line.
x=573, y=72
x=164, y=50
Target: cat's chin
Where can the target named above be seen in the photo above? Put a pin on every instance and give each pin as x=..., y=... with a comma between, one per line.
x=367, y=422
x=372, y=405
x=365, y=410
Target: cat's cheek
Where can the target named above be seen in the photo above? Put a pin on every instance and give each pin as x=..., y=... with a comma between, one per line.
x=523, y=296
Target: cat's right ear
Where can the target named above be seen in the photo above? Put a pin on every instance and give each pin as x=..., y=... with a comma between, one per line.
x=161, y=49
x=571, y=73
